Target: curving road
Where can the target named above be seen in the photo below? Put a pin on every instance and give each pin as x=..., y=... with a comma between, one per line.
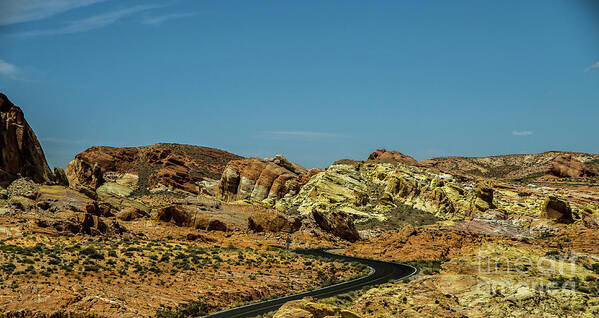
x=382, y=272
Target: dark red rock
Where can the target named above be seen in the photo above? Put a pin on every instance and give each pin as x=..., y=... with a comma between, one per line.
x=21, y=152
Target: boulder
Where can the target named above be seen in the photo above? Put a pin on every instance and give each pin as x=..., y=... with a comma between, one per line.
x=131, y=214
x=60, y=177
x=99, y=209
x=81, y=173
x=483, y=197
x=557, y=210
x=175, y=214
x=566, y=166
x=386, y=155
x=273, y=221
x=339, y=224
x=216, y=225
x=260, y=179
x=21, y=152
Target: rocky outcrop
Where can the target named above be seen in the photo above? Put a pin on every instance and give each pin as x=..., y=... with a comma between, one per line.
x=181, y=216
x=273, y=221
x=338, y=224
x=81, y=223
x=175, y=214
x=316, y=224
x=21, y=153
x=260, y=179
x=99, y=209
x=383, y=154
x=566, y=166
x=516, y=166
x=483, y=197
x=60, y=177
x=160, y=167
x=374, y=190
x=556, y=209
x=131, y=214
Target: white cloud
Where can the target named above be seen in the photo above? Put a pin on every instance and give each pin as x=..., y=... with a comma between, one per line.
x=18, y=11
x=163, y=18
x=93, y=22
x=594, y=66
x=300, y=134
x=522, y=132
x=8, y=69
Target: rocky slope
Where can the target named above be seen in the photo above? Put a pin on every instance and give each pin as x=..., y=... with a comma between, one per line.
x=148, y=168
x=515, y=166
x=21, y=152
x=261, y=179
x=376, y=189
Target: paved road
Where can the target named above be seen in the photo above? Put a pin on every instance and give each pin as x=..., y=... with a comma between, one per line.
x=382, y=272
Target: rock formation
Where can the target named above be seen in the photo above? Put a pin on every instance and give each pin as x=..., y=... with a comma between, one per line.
x=383, y=154
x=566, y=166
x=131, y=214
x=273, y=221
x=372, y=190
x=149, y=168
x=483, y=197
x=556, y=209
x=21, y=152
x=338, y=224
x=260, y=179
x=516, y=166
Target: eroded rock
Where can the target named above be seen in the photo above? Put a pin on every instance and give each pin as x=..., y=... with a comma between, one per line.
x=260, y=179
x=21, y=152
x=556, y=209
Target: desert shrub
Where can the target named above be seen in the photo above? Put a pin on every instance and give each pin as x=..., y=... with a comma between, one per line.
x=192, y=309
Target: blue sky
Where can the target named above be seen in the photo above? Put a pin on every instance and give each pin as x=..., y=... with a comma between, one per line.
x=314, y=80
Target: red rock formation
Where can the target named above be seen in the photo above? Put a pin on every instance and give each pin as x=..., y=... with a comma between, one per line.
x=174, y=166
x=259, y=179
x=383, y=154
x=566, y=166
x=21, y=153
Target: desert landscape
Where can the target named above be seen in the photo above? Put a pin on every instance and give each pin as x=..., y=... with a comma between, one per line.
x=299, y=159
x=172, y=230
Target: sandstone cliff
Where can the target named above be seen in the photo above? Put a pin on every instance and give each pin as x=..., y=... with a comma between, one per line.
x=21, y=152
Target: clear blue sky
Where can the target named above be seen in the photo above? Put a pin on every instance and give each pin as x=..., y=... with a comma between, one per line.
x=315, y=80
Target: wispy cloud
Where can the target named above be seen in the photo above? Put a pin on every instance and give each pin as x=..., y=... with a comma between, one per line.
x=592, y=67
x=156, y=20
x=18, y=11
x=92, y=22
x=8, y=70
x=54, y=140
x=301, y=134
x=521, y=133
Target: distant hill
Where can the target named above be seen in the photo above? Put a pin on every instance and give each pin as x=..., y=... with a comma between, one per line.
x=516, y=166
